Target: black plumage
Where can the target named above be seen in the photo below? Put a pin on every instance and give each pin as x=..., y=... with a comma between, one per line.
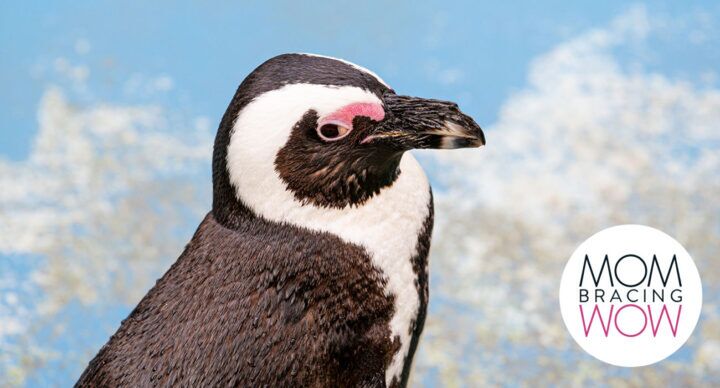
x=254, y=302
x=260, y=304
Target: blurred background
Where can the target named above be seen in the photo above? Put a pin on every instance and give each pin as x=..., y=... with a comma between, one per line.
x=596, y=114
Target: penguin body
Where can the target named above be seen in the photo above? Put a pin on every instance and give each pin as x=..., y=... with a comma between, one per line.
x=311, y=268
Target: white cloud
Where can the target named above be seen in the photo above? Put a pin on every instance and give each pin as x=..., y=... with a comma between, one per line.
x=584, y=132
x=587, y=144
x=81, y=158
x=87, y=201
x=81, y=199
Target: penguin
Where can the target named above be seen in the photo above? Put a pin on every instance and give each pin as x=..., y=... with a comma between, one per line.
x=311, y=268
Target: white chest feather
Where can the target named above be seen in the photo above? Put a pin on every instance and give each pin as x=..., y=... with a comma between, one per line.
x=387, y=225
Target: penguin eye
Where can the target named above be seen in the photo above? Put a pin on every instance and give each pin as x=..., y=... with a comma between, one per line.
x=332, y=131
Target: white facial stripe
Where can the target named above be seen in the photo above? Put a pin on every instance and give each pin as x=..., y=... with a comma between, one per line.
x=387, y=225
x=263, y=127
x=358, y=67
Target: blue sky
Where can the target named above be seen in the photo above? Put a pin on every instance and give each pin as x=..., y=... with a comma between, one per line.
x=473, y=52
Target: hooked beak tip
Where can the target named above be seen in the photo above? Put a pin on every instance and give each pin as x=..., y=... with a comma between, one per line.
x=454, y=135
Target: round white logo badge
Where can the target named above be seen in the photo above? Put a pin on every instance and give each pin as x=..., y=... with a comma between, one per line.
x=630, y=295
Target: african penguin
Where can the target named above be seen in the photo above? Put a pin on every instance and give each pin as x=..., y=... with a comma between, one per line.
x=311, y=268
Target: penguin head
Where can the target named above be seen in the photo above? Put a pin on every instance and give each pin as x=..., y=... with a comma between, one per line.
x=324, y=131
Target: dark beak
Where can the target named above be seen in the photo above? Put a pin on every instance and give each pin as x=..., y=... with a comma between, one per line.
x=412, y=122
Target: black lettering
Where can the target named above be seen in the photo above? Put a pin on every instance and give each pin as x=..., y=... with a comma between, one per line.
x=596, y=280
x=644, y=273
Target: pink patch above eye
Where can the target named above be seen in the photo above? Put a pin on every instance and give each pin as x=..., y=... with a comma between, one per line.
x=346, y=114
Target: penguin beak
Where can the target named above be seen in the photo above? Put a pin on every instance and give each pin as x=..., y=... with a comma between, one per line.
x=412, y=122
